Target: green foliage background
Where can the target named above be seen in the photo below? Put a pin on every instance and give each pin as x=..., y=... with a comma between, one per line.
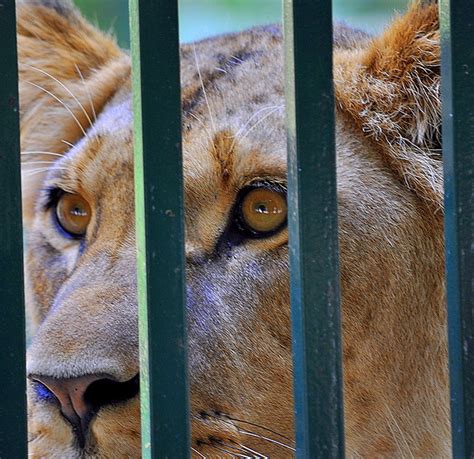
x=203, y=18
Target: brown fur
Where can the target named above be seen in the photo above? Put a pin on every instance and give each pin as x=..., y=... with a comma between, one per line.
x=82, y=296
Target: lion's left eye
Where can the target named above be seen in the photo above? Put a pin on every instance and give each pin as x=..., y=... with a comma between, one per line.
x=263, y=211
x=73, y=214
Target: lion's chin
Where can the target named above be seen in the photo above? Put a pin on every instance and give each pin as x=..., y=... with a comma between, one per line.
x=115, y=432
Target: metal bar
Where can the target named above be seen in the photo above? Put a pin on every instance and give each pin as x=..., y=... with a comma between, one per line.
x=457, y=29
x=13, y=438
x=160, y=228
x=313, y=230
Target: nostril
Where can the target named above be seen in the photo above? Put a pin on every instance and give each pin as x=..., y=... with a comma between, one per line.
x=107, y=391
x=81, y=398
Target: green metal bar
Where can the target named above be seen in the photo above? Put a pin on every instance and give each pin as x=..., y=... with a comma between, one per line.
x=313, y=230
x=13, y=437
x=160, y=229
x=457, y=30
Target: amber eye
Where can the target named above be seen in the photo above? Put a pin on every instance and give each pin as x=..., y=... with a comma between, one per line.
x=73, y=214
x=263, y=210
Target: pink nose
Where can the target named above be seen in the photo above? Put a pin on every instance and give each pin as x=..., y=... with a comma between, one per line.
x=71, y=396
x=80, y=398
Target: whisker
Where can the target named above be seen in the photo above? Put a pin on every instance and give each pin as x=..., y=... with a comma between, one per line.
x=197, y=452
x=38, y=169
x=271, y=440
x=50, y=153
x=214, y=446
x=204, y=89
x=28, y=163
x=263, y=118
x=242, y=129
x=250, y=450
x=237, y=59
x=87, y=92
x=253, y=434
x=67, y=89
x=236, y=447
x=62, y=103
x=203, y=125
x=67, y=143
x=42, y=170
x=402, y=434
x=257, y=425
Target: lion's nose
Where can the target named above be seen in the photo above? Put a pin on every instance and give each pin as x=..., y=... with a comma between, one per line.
x=81, y=398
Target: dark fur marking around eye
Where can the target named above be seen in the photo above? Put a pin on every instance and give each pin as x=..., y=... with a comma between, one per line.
x=234, y=233
x=51, y=197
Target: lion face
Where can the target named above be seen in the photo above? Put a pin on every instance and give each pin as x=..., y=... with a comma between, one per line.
x=83, y=360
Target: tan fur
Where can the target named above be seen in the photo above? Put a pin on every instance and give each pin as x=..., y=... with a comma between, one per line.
x=82, y=296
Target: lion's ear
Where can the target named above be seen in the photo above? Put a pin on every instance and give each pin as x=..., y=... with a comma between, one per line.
x=391, y=88
x=68, y=71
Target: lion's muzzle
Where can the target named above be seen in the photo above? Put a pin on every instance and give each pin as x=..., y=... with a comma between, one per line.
x=81, y=398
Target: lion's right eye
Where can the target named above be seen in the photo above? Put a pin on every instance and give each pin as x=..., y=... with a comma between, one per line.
x=73, y=214
x=262, y=211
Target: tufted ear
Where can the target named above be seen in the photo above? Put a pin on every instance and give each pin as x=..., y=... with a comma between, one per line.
x=391, y=88
x=68, y=71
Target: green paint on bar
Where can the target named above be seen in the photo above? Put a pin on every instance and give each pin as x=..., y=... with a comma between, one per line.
x=160, y=229
x=13, y=438
x=313, y=230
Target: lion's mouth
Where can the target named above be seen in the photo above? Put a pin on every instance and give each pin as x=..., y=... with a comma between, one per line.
x=80, y=399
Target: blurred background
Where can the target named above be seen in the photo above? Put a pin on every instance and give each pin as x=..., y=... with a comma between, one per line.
x=203, y=18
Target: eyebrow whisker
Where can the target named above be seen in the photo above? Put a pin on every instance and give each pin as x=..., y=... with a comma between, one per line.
x=38, y=152
x=69, y=144
x=28, y=163
x=242, y=129
x=91, y=103
x=263, y=118
x=62, y=103
x=30, y=173
x=66, y=88
x=205, y=94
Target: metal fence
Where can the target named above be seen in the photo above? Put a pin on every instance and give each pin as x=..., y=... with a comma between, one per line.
x=313, y=240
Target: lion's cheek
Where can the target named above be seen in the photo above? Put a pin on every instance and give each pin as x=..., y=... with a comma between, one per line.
x=116, y=430
x=49, y=435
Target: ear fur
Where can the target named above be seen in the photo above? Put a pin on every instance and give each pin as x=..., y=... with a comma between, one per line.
x=61, y=58
x=391, y=89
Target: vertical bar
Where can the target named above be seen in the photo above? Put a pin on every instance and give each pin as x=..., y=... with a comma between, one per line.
x=13, y=441
x=457, y=30
x=313, y=230
x=160, y=228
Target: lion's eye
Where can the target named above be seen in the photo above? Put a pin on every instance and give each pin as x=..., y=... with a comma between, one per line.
x=263, y=211
x=73, y=214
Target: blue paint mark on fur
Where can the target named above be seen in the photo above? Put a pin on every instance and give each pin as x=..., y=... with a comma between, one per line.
x=43, y=393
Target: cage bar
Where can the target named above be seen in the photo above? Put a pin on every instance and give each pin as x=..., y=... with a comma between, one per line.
x=160, y=228
x=312, y=218
x=13, y=438
x=457, y=29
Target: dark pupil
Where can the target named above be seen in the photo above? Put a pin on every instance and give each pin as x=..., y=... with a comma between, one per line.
x=261, y=208
x=78, y=212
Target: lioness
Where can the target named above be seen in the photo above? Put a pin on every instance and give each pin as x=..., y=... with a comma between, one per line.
x=79, y=203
